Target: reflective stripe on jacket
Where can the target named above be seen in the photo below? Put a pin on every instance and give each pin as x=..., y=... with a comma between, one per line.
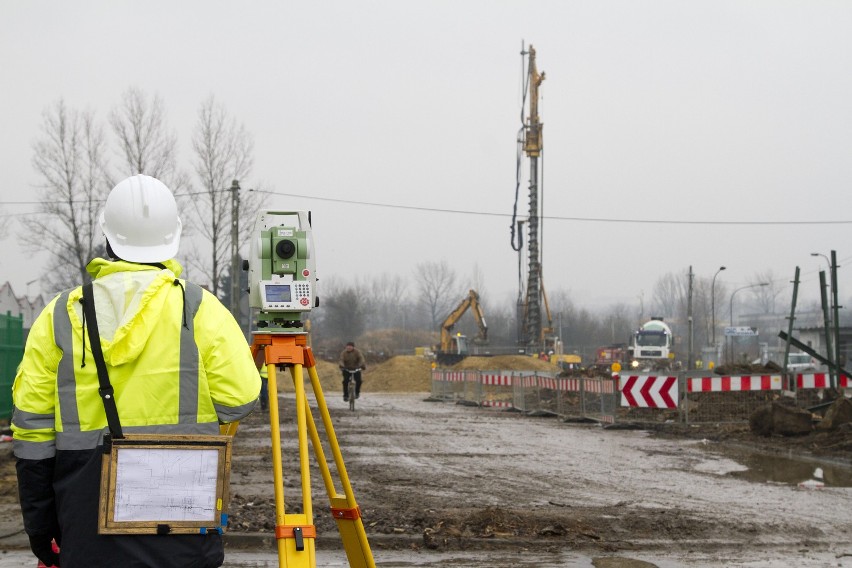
x=177, y=360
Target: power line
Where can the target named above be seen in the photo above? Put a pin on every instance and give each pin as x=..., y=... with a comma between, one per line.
x=549, y=217
x=486, y=213
x=79, y=201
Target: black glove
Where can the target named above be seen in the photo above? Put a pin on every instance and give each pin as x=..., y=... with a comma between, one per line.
x=43, y=550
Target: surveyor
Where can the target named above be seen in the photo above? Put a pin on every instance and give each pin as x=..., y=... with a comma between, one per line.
x=178, y=364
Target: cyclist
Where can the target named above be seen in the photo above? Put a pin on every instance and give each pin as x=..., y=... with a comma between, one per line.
x=351, y=360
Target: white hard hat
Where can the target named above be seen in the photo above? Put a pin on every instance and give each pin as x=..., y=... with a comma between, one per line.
x=140, y=220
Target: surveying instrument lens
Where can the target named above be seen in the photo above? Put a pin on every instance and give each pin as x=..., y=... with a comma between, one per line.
x=285, y=249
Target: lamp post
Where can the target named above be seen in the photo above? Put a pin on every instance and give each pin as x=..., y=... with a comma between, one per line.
x=832, y=317
x=713, y=303
x=731, y=308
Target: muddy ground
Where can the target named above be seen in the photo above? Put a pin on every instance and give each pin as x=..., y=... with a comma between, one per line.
x=440, y=477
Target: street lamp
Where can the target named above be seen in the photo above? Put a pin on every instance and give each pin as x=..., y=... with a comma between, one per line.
x=730, y=352
x=825, y=257
x=713, y=303
x=30, y=283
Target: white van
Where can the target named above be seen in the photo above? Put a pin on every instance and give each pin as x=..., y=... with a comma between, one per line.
x=801, y=362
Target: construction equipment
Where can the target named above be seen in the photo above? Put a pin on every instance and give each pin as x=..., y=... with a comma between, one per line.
x=651, y=345
x=530, y=141
x=550, y=341
x=454, y=347
x=567, y=361
x=605, y=357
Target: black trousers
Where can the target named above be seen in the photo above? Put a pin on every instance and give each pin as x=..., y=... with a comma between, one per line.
x=357, y=383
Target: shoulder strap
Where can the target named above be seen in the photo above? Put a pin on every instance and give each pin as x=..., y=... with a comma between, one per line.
x=105, y=390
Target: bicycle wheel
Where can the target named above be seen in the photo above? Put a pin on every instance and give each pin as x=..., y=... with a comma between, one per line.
x=351, y=392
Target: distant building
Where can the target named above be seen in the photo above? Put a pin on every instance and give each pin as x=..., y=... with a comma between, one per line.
x=814, y=337
x=15, y=305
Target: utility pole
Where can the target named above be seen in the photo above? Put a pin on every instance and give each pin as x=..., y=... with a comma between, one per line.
x=235, y=250
x=689, y=319
x=533, y=147
x=826, y=310
x=836, y=314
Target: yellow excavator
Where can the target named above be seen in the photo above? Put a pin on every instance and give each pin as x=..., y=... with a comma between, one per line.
x=454, y=347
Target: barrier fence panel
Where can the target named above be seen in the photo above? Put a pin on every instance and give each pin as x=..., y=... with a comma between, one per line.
x=811, y=388
x=438, y=384
x=497, y=389
x=472, y=391
x=11, y=353
x=728, y=398
x=599, y=398
x=448, y=385
x=547, y=393
x=587, y=398
x=571, y=398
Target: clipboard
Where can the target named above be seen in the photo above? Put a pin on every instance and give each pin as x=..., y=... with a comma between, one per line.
x=164, y=484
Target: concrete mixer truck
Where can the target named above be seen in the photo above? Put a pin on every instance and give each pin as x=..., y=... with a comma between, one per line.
x=650, y=347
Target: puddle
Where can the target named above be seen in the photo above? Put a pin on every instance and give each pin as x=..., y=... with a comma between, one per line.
x=764, y=468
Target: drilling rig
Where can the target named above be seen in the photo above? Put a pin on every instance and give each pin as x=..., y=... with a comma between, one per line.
x=531, y=332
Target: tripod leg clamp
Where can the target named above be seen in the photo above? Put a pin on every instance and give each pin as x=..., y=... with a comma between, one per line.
x=342, y=513
x=297, y=532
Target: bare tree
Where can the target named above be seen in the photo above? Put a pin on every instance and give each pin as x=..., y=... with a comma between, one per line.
x=69, y=158
x=344, y=313
x=670, y=296
x=146, y=145
x=765, y=297
x=223, y=153
x=388, y=307
x=436, y=284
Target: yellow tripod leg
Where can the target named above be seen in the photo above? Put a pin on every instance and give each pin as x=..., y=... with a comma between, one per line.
x=295, y=534
x=344, y=508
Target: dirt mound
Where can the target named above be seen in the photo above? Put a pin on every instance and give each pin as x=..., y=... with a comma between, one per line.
x=409, y=373
x=504, y=363
x=403, y=373
x=329, y=376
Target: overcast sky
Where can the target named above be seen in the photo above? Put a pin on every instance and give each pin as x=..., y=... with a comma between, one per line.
x=699, y=133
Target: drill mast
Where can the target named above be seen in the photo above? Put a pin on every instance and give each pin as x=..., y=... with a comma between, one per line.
x=532, y=328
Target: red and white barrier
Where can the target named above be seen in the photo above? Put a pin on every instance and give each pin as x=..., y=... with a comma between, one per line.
x=646, y=391
x=453, y=376
x=727, y=384
x=821, y=381
x=597, y=386
x=496, y=380
x=498, y=403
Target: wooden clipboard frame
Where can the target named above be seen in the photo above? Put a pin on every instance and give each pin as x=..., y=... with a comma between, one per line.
x=163, y=446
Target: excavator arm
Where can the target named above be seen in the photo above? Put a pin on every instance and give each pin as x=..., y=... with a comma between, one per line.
x=476, y=308
x=470, y=302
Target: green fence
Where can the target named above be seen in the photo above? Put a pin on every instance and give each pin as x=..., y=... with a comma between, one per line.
x=11, y=353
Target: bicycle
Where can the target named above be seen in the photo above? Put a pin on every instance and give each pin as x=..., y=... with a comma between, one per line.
x=351, y=387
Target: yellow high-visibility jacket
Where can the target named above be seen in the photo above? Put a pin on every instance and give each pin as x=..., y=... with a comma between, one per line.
x=179, y=363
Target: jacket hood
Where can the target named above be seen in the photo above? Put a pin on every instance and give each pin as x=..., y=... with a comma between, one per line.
x=101, y=267
x=129, y=299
